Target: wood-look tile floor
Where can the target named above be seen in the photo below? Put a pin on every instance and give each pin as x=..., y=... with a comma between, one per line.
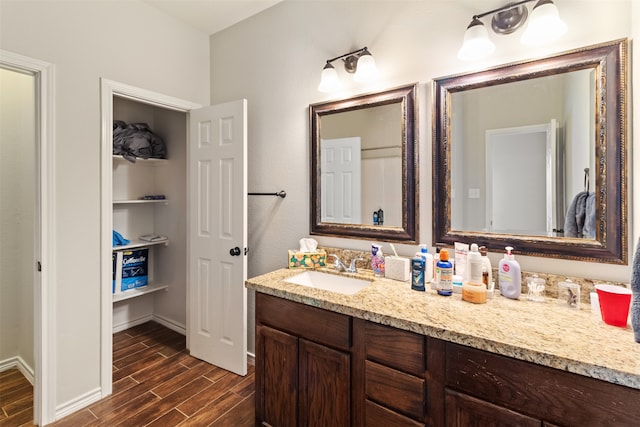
x=16, y=399
x=157, y=383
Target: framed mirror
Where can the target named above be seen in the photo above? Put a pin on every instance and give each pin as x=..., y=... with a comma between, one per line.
x=364, y=181
x=533, y=155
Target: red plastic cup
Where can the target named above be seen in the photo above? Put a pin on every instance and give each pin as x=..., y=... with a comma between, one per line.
x=614, y=304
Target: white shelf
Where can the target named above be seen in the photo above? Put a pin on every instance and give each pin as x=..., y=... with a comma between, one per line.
x=146, y=162
x=140, y=202
x=140, y=244
x=132, y=293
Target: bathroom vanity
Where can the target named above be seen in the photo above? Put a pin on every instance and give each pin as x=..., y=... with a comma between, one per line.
x=390, y=356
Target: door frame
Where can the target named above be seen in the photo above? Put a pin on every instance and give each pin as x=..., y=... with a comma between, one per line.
x=109, y=89
x=44, y=309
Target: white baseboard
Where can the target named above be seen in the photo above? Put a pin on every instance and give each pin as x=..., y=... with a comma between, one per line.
x=18, y=362
x=131, y=323
x=78, y=403
x=171, y=324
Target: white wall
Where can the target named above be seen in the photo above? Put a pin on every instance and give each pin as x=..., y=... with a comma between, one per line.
x=125, y=41
x=274, y=59
x=17, y=210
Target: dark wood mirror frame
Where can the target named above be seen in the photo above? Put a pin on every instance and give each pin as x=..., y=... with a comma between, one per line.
x=610, y=63
x=408, y=232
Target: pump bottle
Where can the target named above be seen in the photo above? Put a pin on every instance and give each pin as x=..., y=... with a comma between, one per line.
x=509, y=278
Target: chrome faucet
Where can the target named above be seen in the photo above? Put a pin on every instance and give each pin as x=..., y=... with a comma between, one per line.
x=339, y=265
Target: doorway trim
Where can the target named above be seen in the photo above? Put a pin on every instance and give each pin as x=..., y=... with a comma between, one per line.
x=44, y=309
x=109, y=89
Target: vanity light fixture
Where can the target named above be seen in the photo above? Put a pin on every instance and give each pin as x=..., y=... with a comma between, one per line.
x=544, y=26
x=360, y=63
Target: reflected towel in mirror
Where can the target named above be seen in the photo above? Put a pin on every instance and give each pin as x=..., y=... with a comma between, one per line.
x=580, y=220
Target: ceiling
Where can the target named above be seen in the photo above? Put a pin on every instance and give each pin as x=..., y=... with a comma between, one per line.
x=211, y=16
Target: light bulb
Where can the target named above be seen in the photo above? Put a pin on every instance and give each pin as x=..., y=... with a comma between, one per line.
x=476, y=43
x=366, y=71
x=545, y=24
x=329, y=81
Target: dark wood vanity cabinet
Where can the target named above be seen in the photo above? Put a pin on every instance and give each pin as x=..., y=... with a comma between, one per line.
x=316, y=367
x=488, y=389
x=303, y=365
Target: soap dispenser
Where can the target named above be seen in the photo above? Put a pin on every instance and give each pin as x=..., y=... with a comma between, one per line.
x=509, y=279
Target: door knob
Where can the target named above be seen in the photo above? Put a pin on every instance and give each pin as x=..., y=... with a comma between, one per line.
x=234, y=251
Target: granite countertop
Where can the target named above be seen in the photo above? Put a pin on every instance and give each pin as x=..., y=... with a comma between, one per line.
x=548, y=333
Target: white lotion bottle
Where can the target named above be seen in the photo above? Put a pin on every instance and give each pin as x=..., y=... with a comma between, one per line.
x=509, y=278
x=428, y=264
x=474, y=265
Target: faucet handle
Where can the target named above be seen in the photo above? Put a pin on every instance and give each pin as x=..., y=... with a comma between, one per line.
x=337, y=264
x=352, y=266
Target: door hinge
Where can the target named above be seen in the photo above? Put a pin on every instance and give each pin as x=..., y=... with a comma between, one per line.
x=38, y=265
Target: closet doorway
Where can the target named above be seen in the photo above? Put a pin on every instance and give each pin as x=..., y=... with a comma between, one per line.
x=26, y=266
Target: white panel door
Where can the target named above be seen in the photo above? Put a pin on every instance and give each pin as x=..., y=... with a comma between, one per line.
x=521, y=195
x=217, y=328
x=340, y=180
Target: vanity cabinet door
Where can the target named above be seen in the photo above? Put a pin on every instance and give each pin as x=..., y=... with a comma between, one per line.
x=466, y=411
x=276, y=377
x=325, y=386
x=303, y=365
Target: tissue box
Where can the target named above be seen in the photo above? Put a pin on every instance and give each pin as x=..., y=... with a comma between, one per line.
x=397, y=268
x=299, y=259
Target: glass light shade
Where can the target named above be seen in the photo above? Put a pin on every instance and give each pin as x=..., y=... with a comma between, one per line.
x=366, y=70
x=329, y=80
x=545, y=24
x=476, y=43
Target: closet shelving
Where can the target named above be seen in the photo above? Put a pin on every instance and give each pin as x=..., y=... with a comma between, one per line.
x=132, y=293
x=135, y=216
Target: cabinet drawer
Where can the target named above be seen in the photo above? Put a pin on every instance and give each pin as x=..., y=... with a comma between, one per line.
x=394, y=389
x=553, y=395
x=396, y=348
x=315, y=324
x=463, y=410
x=379, y=416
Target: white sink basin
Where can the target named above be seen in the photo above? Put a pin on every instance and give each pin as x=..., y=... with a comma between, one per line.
x=329, y=282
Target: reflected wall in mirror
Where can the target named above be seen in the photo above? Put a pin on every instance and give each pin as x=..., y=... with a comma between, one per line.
x=363, y=162
x=533, y=155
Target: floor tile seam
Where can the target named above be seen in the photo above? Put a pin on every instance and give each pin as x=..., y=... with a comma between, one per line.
x=242, y=399
x=158, y=417
x=214, y=402
x=186, y=416
x=92, y=413
x=180, y=387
